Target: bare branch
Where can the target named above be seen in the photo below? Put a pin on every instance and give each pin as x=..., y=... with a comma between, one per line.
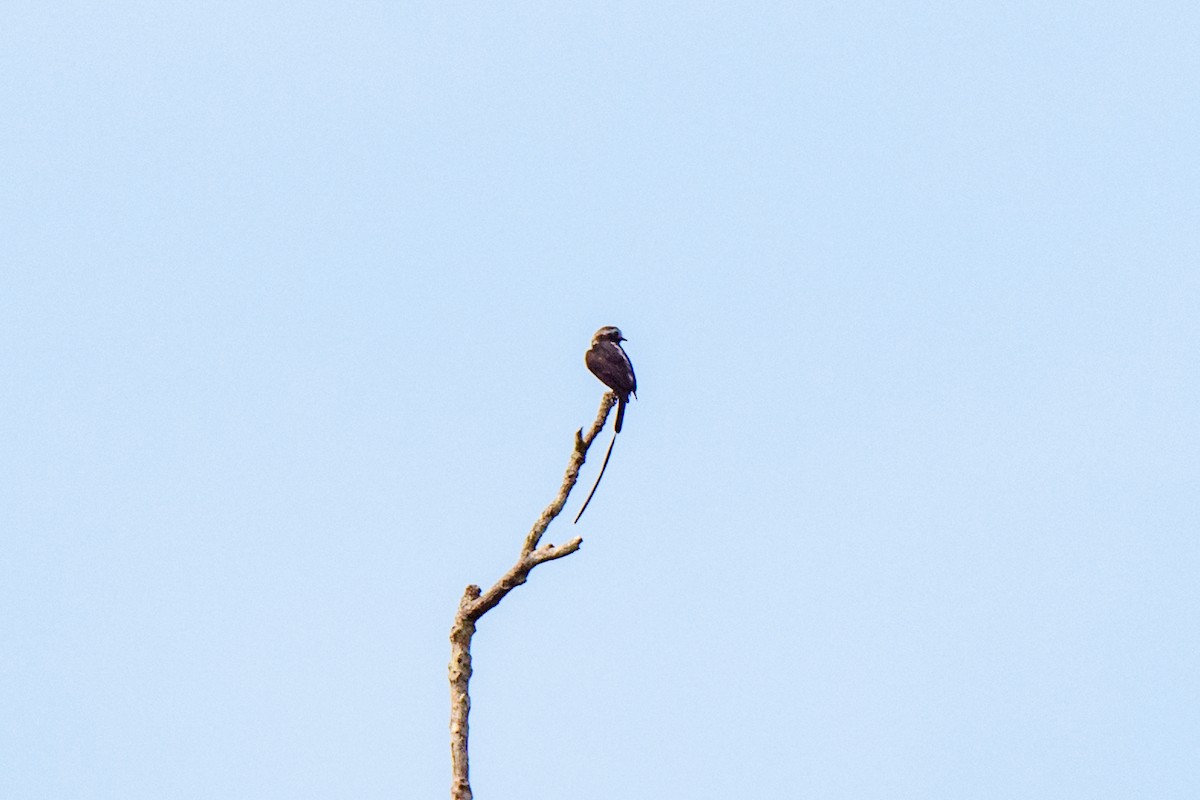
x=549, y=552
x=582, y=443
x=475, y=602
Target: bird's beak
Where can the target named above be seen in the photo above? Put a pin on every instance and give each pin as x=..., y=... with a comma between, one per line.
x=623, y=339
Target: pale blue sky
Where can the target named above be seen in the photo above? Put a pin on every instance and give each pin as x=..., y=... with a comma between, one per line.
x=294, y=299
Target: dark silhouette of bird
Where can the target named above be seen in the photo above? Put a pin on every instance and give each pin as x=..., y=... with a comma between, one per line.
x=608, y=362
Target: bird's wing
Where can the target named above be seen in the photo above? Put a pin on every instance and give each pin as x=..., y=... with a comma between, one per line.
x=607, y=362
x=632, y=377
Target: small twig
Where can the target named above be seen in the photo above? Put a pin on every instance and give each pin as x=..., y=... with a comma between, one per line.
x=475, y=602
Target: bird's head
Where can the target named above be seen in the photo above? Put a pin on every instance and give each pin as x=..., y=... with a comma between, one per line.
x=609, y=333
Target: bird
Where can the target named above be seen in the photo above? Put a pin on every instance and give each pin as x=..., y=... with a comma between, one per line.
x=608, y=362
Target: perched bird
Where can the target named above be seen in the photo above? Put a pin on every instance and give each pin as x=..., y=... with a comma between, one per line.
x=608, y=362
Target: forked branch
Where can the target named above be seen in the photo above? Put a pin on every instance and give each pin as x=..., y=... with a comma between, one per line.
x=475, y=602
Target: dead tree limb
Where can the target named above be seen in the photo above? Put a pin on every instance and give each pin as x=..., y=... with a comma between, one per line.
x=476, y=602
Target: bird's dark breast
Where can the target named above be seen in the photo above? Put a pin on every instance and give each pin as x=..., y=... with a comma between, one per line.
x=608, y=363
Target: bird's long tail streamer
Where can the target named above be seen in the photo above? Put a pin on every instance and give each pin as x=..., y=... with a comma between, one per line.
x=598, y=477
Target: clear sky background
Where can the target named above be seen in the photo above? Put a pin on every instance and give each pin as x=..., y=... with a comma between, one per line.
x=293, y=305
